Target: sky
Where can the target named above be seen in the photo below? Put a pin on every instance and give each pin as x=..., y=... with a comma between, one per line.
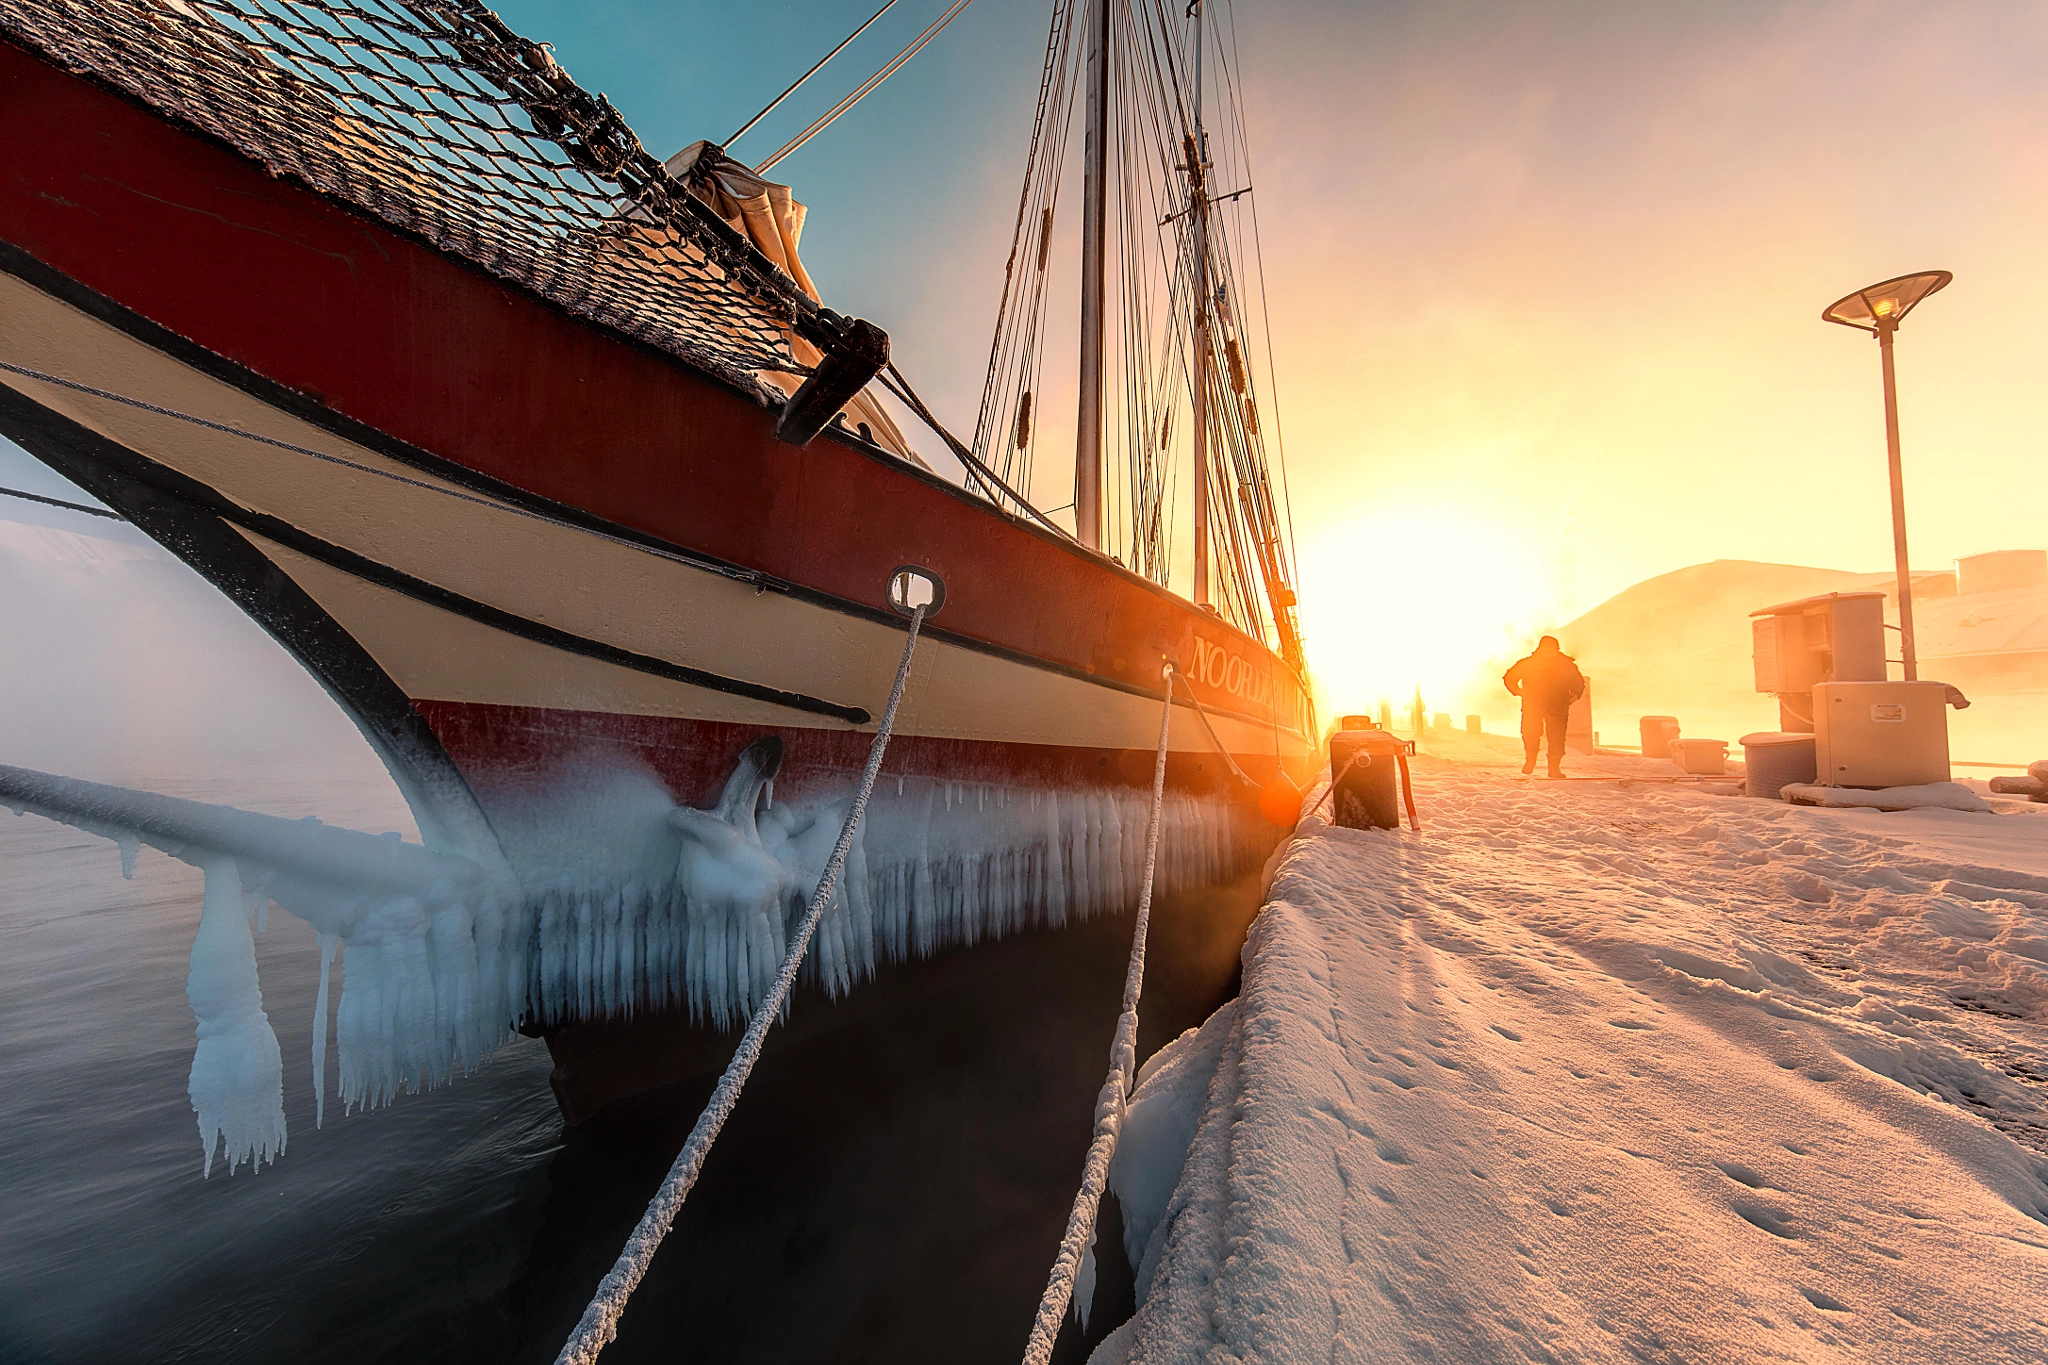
x=1544, y=278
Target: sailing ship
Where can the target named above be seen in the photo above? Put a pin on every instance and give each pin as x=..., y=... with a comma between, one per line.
x=545, y=457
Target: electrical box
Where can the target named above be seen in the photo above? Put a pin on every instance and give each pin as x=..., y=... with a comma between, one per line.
x=1880, y=734
x=1777, y=651
x=1835, y=637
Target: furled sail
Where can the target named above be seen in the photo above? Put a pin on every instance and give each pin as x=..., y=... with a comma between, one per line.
x=772, y=219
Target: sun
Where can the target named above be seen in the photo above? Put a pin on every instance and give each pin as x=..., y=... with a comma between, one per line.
x=1420, y=595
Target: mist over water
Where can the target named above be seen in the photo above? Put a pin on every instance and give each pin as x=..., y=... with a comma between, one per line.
x=369, y=1231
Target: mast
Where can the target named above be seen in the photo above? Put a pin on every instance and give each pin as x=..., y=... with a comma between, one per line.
x=1094, y=215
x=1198, y=204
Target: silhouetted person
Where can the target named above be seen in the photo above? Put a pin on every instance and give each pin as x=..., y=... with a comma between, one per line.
x=1548, y=682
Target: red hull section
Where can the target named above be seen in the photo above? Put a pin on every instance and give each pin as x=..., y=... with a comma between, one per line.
x=512, y=542
x=388, y=333
x=500, y=746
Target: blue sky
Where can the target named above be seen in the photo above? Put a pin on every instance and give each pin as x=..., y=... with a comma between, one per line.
x=900, y=187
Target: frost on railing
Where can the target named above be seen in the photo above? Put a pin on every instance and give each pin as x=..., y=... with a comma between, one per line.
x=435, y=117
x=611, y=898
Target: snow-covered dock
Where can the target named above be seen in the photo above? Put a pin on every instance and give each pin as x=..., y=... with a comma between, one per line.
x=1592, y=1073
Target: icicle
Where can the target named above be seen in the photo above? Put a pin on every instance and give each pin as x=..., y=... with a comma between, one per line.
x=1055, y=872
x=328, y=943
x=617, y=897
x=129, y=846
x=237, y=1081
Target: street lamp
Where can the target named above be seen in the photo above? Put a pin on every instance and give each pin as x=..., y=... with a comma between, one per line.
x=1879, y=310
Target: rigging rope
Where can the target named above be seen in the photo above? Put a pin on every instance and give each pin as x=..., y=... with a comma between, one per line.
x=772, y=104
x=600, y=1321
x=857, y=96
x=1116, y=1087
x=896, y=384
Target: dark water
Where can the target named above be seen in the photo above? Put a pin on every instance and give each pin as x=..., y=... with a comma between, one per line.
x=891, y=1188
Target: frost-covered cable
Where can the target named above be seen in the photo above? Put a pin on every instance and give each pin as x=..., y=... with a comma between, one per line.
x=600, y=1321
x=1116, y=1087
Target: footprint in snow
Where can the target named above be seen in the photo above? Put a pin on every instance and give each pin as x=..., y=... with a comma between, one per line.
x=1743, y=1175
x=1777, y=1222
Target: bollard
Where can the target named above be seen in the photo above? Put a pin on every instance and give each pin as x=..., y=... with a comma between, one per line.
x=1367, y=768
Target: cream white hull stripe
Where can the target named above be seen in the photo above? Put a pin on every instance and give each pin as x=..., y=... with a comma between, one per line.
x=375, y=520
x=617, y=607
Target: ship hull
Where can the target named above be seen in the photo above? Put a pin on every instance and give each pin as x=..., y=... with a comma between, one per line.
x=510, y=542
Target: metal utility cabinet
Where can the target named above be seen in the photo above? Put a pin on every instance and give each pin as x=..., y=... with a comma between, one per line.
x=1837, y=637
x=1880, y=734
x=1824, y=659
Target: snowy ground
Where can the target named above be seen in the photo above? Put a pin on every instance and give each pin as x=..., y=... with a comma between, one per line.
x=1593, y=1073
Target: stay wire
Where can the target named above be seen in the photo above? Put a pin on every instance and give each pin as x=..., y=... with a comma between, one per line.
x=709, y=566
x=59, y=502
x=896, y=384
x=825, y=120
x=772, y=104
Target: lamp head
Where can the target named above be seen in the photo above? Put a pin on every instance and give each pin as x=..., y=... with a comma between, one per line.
x=1882, y=306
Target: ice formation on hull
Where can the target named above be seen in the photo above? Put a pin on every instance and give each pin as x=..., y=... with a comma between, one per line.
x=602, y=896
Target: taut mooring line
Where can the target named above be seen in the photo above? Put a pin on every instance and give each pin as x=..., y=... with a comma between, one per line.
x=1116, y=1088
x=600, y=1321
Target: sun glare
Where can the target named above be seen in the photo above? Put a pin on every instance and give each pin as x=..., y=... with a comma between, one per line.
x=1420, y=596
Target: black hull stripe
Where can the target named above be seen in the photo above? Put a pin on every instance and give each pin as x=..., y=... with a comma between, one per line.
x=51, y=281
x=122, y=479
x=399, y=581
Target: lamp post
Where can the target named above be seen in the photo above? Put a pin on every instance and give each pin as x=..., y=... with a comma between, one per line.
x=1879, y=310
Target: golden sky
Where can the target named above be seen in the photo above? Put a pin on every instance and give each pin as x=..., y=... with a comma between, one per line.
x=1546, y=281
x=1547, y=287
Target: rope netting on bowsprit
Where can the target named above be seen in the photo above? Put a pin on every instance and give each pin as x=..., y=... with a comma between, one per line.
x=435, y=117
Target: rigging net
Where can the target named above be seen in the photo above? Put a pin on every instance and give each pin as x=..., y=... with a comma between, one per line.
x=436, y=117
x=1160, y=292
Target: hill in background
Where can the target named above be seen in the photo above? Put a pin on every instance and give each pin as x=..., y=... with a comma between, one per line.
x=1679, y=644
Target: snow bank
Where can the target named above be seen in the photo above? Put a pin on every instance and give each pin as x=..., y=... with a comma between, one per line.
x=1584, y=1074
x=603, y=896
x=1928, y=796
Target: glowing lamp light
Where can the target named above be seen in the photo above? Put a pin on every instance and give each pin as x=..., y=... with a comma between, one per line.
x=1879, y=310
x=1885, y=305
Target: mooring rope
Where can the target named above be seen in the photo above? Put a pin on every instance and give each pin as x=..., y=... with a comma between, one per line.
x=600, y=1321
x=1116, y=1089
